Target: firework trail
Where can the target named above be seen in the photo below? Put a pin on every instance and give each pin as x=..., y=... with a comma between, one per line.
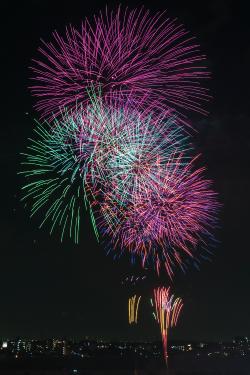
x=124, y=52
x=167, y=313
x=133, y=306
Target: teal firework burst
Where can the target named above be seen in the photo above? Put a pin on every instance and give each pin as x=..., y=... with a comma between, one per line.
x=131, y=153
x=54, y=177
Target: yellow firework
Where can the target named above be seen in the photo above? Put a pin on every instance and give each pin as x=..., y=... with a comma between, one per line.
x=133, y=306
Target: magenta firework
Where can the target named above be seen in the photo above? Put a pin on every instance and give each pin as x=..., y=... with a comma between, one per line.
x=124, y=52
x=167, y=222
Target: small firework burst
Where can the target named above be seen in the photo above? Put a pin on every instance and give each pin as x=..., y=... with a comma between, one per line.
x=167, y=311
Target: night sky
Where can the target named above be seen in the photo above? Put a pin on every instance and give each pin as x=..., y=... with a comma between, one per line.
x=51, y=289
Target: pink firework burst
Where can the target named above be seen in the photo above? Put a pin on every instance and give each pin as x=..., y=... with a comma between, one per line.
x=121, y=52
x=167, y=309
x=168, y=220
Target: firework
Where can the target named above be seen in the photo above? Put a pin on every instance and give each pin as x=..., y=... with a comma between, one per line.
x=89, y=149
x=127, y=167
x=125, y=52
x=132, y=151
x=167, y=313
x=54, y=177
x=133, y=306
x=168, y=221
x=130, y=147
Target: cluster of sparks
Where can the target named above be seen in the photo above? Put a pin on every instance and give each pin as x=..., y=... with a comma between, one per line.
x=133, y=280
x=114, y=96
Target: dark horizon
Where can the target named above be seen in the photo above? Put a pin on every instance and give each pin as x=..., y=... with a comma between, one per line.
x=49, y=288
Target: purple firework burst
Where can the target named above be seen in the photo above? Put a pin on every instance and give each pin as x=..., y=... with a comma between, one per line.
x=122, y=52
x=166, y=222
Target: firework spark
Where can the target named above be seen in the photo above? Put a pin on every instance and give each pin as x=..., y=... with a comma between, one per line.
x=133, y=280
